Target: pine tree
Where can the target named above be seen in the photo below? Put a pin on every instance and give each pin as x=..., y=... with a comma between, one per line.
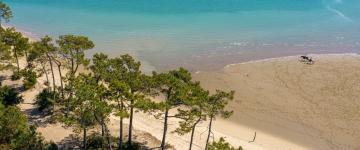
x=17, y=43
x=5, y=13
x=193, y=111
x=73, y=48
x=81, y=116
x=174, y=85
x=217, y=106
x=44, y=49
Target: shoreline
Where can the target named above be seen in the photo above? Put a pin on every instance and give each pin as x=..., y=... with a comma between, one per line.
x=148, y=67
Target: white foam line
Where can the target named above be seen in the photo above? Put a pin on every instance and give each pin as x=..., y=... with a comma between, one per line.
x=339, y=13
x=287, y=57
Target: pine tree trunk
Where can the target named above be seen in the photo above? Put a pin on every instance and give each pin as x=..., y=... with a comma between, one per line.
x=26, y=57
x=192, y=133
x=61, y=82
x=52, y=72
x=46, y=75
x=84, y=139
x=209, y=132
x=17, y=61
x=102, y=134
x=121, y=134
x=163, y=141
x=108, y=136
x=131, y=122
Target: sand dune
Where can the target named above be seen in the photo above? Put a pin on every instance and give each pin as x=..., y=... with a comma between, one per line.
x=316, y=106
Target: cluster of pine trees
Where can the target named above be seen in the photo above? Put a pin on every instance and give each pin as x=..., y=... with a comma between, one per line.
x=110, y=86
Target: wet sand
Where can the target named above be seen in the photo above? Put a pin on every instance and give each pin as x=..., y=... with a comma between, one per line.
x=315, y=106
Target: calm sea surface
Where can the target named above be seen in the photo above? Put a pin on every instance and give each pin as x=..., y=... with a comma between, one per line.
x=198, y=34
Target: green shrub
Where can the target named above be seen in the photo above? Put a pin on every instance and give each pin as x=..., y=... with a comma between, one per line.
x=30, y=79
x=9, y=96
x=17, y=134
x=51, y=146
x=16, y=76
x=46, y=99
x=95, y=141
x=222, y=145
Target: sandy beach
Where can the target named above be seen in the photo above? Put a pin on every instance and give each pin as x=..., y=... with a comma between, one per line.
x=289, y=104
x=315, y=106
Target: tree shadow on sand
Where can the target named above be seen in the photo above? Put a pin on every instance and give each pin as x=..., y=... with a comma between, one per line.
x=72, y=142
x=38, y=118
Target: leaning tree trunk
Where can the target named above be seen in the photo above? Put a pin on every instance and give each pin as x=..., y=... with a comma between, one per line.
x=209, y=132
x=52, y=72
x=163, y=141
x=131, y=122
x=17, y=61
x=46, y=75
x=192, y=133
x=61, y=81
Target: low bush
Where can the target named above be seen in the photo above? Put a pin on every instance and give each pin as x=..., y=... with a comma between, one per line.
x=9, y=96
x=46, y=99
x=30, y=79
x=222, y=145
x=16, y=76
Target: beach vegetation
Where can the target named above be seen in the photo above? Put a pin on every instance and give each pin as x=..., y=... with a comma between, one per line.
x=45, y=100
x=221, y=144
x=42, y=52
x=173, y=85
x=73, y=49
x=30, y=78
x=17, y=44
x=5, y=13
x=216, y=106
x=16, y=133
x=9, y=96
x=193, y=111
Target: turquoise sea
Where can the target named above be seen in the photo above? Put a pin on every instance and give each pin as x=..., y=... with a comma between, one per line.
x=198, y=34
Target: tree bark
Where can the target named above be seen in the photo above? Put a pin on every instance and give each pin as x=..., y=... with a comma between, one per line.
x=46, y=75
x=108, y=137
x=192, y=133
x=102, y=134
x=209, y=132
x=131, y=122
x=17, y=61
x=61, y=82
x=121, y=134
x=84, y=139
x=121, y=106
x=58, y=64
x=52, y=71
x=163, y=141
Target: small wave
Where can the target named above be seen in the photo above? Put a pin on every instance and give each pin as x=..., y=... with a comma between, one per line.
x=339, y=13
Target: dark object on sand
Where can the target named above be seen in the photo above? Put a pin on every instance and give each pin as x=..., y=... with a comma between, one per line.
x=253, y=140
x=306, y=59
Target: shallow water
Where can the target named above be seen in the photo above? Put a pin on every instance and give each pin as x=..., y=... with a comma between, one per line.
x=198, y=34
